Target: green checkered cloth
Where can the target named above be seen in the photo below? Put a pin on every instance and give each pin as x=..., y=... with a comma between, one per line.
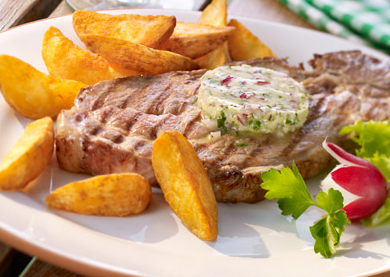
x=363, y=21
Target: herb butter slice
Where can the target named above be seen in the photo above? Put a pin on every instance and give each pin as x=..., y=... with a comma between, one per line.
x=252, y=100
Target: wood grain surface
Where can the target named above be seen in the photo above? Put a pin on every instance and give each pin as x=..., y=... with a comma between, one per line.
x=43, y=269
x=16, y=12
x=5, y=251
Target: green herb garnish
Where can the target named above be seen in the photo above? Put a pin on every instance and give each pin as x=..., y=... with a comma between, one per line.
x=255, y=124
x=373, y=139
x=241, y=144
x=221, y=123
x=294, y=198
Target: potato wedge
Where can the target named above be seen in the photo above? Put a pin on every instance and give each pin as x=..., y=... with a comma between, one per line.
x=144, y=58
x=215, y=58
x=29, y=156
x=243, y=45
x=33, y=93
x=215, y=14
x=148, y=30
x=185, y=184
x=106, y=195
x=66, y=60
x=195, y=40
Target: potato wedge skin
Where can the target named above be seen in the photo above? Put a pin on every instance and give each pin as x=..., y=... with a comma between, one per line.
x=104, y=195
x=243, y=45
x=29, y=156
x=215, y=58
x=195, y=40
x=126, y=53
x=66, y=60
x=185, y=184
x=148, y=30
x=33, y=93
x=215, y=14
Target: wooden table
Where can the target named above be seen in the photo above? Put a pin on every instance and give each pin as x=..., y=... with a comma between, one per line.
x=15, y=12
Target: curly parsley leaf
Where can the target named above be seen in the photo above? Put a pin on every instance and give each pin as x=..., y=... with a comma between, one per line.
x=294, y=198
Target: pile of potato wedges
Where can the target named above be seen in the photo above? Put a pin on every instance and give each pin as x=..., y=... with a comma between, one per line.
x=120, y=46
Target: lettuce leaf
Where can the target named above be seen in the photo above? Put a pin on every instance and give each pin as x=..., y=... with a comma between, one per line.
x=374, y=141
x=381, y=216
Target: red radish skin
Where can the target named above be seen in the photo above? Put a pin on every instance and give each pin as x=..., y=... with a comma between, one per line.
x=358, y=177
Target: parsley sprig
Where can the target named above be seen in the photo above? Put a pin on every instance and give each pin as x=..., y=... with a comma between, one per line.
x=294, y=198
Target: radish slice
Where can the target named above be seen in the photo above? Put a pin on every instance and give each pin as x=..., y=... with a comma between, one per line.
x=362, y=184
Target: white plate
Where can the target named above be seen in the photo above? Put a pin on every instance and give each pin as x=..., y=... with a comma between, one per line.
x=253, y=240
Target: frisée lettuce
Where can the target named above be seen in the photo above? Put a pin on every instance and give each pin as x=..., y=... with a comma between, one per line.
x=374, y=141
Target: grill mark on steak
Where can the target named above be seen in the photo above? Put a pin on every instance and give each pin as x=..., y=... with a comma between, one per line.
x=151, y=97
x=113, y=124
x=125, y=119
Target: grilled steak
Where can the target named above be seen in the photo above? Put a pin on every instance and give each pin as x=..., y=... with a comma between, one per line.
x=113, y=124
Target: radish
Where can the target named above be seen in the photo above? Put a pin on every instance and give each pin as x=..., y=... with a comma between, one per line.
x=362, y=184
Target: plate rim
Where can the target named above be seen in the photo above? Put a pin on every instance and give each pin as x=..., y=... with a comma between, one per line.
x=13, y=238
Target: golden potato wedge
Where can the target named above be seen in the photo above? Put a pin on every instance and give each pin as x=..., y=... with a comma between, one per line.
x=106, y=195
x=144, y=58
x=215, y=58
x=195, y=40
x=243, y=45
x=148, y=30
x=66, y=60
x=33, y=93
x=215, y=14
x=185, y=184
x=29, y=156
